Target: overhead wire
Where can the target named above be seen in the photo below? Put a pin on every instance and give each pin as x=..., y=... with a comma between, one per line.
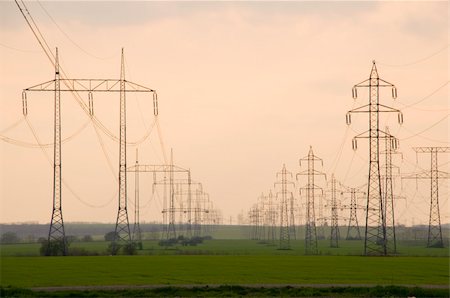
x=416, y=61
x=426, y=129
x=70, y=189
x=48, y=52
x=68, y=37
x=43, y=145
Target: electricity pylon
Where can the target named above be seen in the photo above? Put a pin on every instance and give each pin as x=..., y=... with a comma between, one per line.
x=76, y=86
x=137, y=235
x=165, y=169
x=334, y=239
x=272, y=219
x=375, y=232
x=311, y=187
x=284, y=195
x=434, y=223
x=292, y=230
x=388, y=195
x=353, y=232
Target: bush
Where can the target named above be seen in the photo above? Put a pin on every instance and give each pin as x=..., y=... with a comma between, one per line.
x=111, y=236
x=9, y=237
x=53, y=247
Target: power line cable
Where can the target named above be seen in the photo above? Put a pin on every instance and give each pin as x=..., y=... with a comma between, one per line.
x=416, y=61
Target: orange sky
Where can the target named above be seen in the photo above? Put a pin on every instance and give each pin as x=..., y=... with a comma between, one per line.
x=243, y=88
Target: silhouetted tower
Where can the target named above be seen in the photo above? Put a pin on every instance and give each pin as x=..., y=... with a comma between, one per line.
x=137, y=235
x=434, y=224
x=375, y=232
x=122, y=230
x=171, y=233
x=272, y=219
x=353, y=232
x=311, y=187
x=388, y=194
x=75, y=87
x=292, y=230
x=284, y=195
x=261, y=217
x=334, y=239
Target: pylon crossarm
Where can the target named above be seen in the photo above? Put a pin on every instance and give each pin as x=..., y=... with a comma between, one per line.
x=90, y=85
x=429, y=149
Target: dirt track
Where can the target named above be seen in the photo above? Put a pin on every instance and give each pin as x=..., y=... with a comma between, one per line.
x=125, y=287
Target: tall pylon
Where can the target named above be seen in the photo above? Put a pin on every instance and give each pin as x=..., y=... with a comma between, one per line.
x=375, y=232
x=90, y=86
x=137, y=234
x=334, y=239
x=434, y=223
x=122, y=231
x=56, y=231
x=283, y=196
x=311, y=187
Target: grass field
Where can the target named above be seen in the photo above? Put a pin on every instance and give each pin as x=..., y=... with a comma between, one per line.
x=235, y=247
x=172, y=270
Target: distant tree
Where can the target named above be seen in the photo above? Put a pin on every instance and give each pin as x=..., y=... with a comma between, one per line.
x=9, y=237
x=110, y=236
x=87, y=238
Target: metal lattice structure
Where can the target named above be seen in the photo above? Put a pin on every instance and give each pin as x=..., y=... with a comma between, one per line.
x=76, y=86
x=284, y=196
x=334, y=238
x=353, y=231
x=388, y=196
x=375, y=231
x=434, y=175
x=137, y=234
x=310, y=188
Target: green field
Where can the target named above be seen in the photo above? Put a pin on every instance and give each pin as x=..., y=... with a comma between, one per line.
x=258, y=268
x=234, y=247
x=175, y=270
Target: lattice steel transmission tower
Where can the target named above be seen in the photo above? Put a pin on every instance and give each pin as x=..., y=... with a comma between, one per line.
x=334, y=239
x=76, y=86
x=311, y=187
x=388, y=194
x=375, y=232
x=434, y=224
x=353, y=232
x=272, y=214
x=285, y=194
x=57, y=244
x=137, y=235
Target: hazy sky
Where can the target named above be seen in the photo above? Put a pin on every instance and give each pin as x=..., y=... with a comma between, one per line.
x=244, y=87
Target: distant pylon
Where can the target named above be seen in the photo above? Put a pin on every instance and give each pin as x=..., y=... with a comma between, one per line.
x=334, y=239
x=171, y=233
x=311, y=187
x=434, y=224
x=375, y=232
x=272, y=219
x=353, y=232
x=137, y=235
x=122, y=231
x=284, y=195
x=388, y=194
x=292, y=229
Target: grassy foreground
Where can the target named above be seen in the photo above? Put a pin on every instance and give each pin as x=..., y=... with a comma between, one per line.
x=28, y=272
